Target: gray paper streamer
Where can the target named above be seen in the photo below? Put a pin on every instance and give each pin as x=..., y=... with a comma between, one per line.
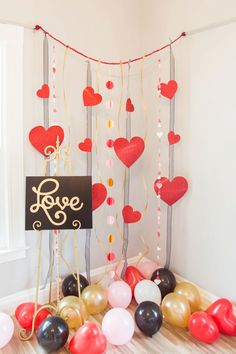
x=126, y=188
x=171, y=164
x=46, y=125
x=89, y=172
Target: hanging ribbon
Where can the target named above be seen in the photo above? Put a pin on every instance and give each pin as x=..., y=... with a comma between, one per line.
x=171, y=163
x=126, y=185
x=89, y=172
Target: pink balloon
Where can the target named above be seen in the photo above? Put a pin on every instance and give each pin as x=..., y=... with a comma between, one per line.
x=147, y=268
x=118, y=326
x=6, y=329
x=119, y=294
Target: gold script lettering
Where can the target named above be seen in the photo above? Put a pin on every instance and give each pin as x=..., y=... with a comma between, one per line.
x=46, y=201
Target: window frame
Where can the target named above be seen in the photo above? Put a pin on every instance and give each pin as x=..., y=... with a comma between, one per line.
x=12, y=38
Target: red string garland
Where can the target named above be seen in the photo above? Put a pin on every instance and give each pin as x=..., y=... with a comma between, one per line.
x=37, y=28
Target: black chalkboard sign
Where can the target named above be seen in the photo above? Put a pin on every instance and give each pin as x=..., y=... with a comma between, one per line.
x=57, y=203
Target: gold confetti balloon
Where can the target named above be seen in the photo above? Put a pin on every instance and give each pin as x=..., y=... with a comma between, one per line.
x=95, y=298
x=176, y=310
x=73, y=310
x=191, y=293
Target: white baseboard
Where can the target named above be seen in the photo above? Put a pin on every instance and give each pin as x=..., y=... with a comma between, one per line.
x=9, y=303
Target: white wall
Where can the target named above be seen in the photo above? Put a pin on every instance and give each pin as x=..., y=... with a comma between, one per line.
x=203, y=235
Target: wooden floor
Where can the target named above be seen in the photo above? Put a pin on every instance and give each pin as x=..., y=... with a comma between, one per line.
x=169, y=340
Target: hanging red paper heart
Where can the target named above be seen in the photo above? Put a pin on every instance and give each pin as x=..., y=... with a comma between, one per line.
x=132, y=277
x=130, y=216
x=203, y=328
x=221, y=311
x=129, y=151
x=89, y=339
x=99, y=194
x=25, y=312
x=44, y=91
x=168, y=90
x=173, y=138
x=86, y=145
x=129, y=105
x=40, y=138
x=171, y=191
x=90, y=98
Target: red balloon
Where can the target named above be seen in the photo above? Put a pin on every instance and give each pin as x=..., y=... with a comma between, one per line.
x=25, y=313
x=132, y=277
x=203, y=328
x=221, y=311
x=89, y=339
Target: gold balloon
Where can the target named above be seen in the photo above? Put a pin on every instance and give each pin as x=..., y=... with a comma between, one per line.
x=95, y=298
x=73, y=310
x=191, y=293
x=176, y=310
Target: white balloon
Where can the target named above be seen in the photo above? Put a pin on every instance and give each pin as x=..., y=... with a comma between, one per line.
x=6, y=329
x=147, y=290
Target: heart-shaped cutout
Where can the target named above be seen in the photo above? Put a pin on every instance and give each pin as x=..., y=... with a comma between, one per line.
x=91, y=98
x=168, y=90
x=171, y=191
x=132, y=277
x=173, y=138
x=221, y=311
x=129, y=151
x=42, y=138
x=129, y=106
x=25, y=312
x=99, y=194
x=203, y=328
x=86, y=145
x=89, y=339
x=44, y=91
x=130, y=216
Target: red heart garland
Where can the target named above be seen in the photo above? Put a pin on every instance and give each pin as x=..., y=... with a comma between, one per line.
x=90, y=98
x=130, y=216
x=99, y=194
x=44, y=92
x=173, y=138
x=221, y=311
x=171, y=191
x=168, y=90
x=40, y=138
x=129, y=151
x=129, y=105
x=86, y=145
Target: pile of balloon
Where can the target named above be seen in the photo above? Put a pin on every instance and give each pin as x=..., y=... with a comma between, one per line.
x=157, y=296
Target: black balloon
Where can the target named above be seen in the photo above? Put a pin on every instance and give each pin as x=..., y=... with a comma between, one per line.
x=167, y=280
x=52, y=333
x=148, y=317
x=70, y=286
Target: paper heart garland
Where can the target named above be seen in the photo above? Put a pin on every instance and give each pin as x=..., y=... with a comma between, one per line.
x=173, y=138
x=221, y=311
x=89, y=339
x=25, y=312
x=40, y=138
x=132, y=277
x=171, y=191
x=203, y=328
x=129, y=151
x=168, y=90
x=44, y=92
x=129, y=106
x=90, y=98
x=130, y=216
x=99, y=194
x=86, y=145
